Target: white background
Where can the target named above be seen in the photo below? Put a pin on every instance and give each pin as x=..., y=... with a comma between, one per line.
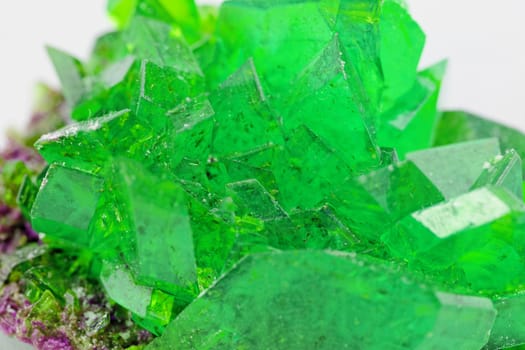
x=484, y=41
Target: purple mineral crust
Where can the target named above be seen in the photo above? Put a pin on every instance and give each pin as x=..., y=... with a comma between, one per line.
x=14, y=230
x=17, y=152
x=14, y=308
x=58, y=341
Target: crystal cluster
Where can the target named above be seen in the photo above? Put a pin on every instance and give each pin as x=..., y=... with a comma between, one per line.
x=266, y=175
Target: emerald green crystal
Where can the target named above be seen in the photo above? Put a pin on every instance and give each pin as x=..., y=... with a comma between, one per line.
x=458, y=126
x=235, y=313
x=474, y=241
x=319, y=100
x=90, y=145
x=298, y=164
x=402, y=42
x=505, y=171
x=138, y=71
x=181, y=13
x=120, y=286
x=386, y=195
x=240, y=104
x=66, y=203
x=26, y=196
x=270, y=175
x=508, y=328
x=71, y=75
x=254, y=200
x=409, y=124
x=167, y=262
x=445, y=166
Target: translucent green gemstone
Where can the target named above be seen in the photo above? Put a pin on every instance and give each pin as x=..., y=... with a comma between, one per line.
x=234, y=313
x=505, y=171
x=120, y=286
x=26, y=196
x=508, y=330
x=133, y=70
x=240, y=105
x=402, y=42
x=277, y=175
x=446, y=166
x=385, y=196
x=181, y=13
x=458, y=126
x=474, y=241
x=299, y=163
x=168, y=261
x=71, y=75
x=408, y=125
x=90, y=145
x=66, y=203
x=317, y=102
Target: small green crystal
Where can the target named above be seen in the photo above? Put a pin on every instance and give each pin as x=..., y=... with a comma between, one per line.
x=120, y=286
x=66, y=203
x=461, y=126
x=446, y=168
x=473, y=241
x=508, y=328
x=505, y=171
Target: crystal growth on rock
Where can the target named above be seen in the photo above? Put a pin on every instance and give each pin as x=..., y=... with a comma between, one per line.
x=267, y=174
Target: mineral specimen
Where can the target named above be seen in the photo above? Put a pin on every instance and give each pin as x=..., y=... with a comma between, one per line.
x=266, y=175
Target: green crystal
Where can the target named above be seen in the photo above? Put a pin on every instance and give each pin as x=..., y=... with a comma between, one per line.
x=474, y=241
x=319, y=100
x=240, y=104
x=409, y=124
x=66, y=203
x=461, y=126
x=168, y=261
x=234, y=314
x=508, y=328
x=402, y=42
x=446, y=168
x=505, y=171
x=386, y=195
x=183, y=14
x=274, y=175
x=120, y=286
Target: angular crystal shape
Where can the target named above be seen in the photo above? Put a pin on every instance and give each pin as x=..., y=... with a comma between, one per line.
x=402, y=42
x=472, y=242
x=71, y=74
x=505, y=171
x=353, y=288
x=240, y=104
x=91, y=144
x=66, y=203
x=446, y=167
x=456, y=126
x=159, y=230
x=408, y=125
x=319, y=95
x=508, y=330
x=181, y=14
x=120, y=286
x=307, y=161
x=370, y=203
